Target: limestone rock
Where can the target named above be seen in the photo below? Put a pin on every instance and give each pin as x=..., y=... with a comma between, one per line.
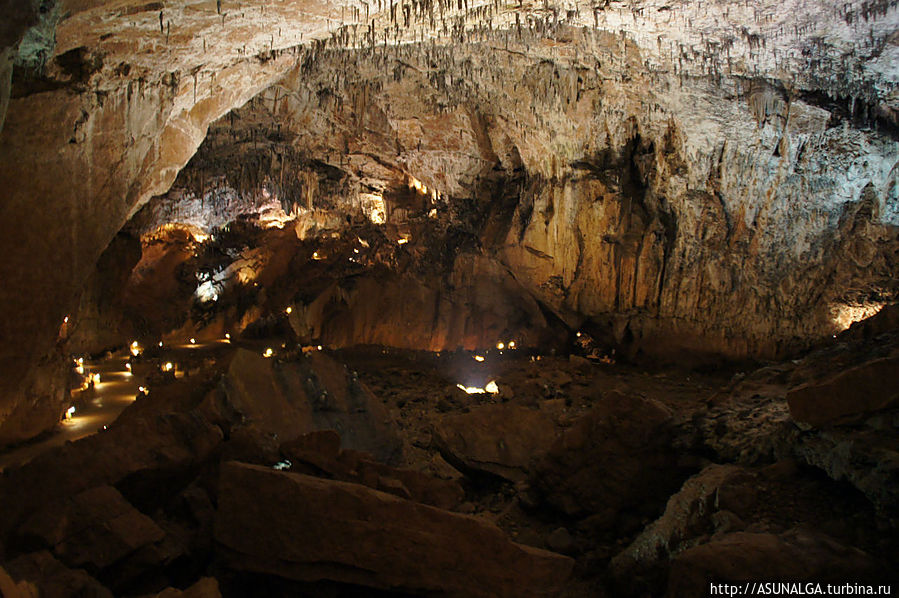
x=617, y=456
x=349, y=533
x=851, y=393
x=10, y=589
x=53, y=579
x=93, y=530
x=207, y=587
x=145, y=458
x=499, y=439
x=687, y=517
x=865, y=457
x=795, y=556
x=647, y=169
x=319, y=453
x=315, y=392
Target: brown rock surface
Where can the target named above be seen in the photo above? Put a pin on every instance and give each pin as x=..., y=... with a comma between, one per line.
x=319, y=453
x=349, y=533
x=501, y=439
x=617, y=456
x=795, y=556
x=854, y=392
x=150, y=452
x=686, y=187
x=314, y=392
x=93, y=530
x=207, y=587
x=53, y=579
x=10, y=589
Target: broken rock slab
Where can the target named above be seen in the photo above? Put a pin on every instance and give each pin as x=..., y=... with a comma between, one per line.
x=313, y=392
x=617, y=456
x=794, y=556
x=148, y=455
x=308, y=529
x=856, y=391
x=53, y=579
x=499, y=439
x=10, y=589
x=319, y=453
x=94, y=529
x=207, y=587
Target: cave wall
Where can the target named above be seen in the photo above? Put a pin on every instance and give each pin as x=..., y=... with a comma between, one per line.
x=718, y=215
x=782, y=113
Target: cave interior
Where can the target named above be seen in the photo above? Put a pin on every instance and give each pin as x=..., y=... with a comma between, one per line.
x=458, y=298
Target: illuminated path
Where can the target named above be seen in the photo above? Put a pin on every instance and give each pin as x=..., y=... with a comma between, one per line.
x=95, y=409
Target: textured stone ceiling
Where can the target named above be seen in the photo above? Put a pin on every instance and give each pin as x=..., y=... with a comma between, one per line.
x=760, y=128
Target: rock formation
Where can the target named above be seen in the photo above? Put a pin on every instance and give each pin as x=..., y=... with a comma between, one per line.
x=713, y=178
x=447, y=283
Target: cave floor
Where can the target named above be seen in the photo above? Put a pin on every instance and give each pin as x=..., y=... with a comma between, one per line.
x=573, y=456
x=95, y=408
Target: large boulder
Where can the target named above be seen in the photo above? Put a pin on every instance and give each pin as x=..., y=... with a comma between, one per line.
x=313, y=392
x=10, y=589
x=207, y=587
x=319, y=453
x=499, y=439
x=95, y=530
x=53, y=579
x=146, y=457
x=308, y=529
x=743, y=557
x=866, y=456
x=617, y=456
x=690, y=517
x=856, y=391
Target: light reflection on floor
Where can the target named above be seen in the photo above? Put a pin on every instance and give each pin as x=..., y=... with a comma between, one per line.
x=95, y=408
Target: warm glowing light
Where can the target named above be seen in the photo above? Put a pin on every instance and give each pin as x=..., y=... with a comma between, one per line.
x=268, y=352
x=206, y=292
x=80, y=369
x=472, y=390
x=500, y=346
x=95, y=378
x=135, y=348
x=65, y=320
x=160, y=343
x=70, y=412
x=193, y=341
x=128, y=367
x=402, y=241
x=511, y=344
x=141, y=389
x=432, y=213
x=228, y=335
x=491, y=387
x=168, y=366
x=479, y=358
x=844, y=316
x=414, y=183
x=319, y=347
x=316, y=255
x=288, y=310
x=374, y=207
x=578, y=335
